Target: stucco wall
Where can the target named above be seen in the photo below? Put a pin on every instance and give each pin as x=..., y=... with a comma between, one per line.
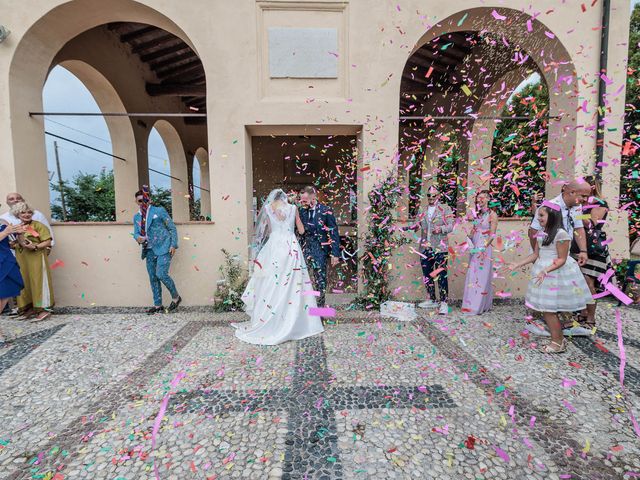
x=375, y=40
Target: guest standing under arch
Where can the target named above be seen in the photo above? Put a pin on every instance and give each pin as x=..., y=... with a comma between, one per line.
x=478, y=290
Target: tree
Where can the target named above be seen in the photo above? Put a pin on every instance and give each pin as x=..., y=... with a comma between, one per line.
x=519, y=152
x=89, y=198
x=92, y=198
x=630, y=162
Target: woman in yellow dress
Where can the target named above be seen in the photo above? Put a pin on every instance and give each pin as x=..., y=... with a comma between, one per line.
x=36, y=299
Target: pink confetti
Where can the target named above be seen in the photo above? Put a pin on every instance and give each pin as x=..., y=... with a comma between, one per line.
x=502, y=454
x=569, y=406
x=532, y=422
x=312, y=293
x=497, y=16
x=529, y=26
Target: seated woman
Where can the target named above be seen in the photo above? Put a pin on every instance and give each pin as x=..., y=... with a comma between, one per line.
x=36, y=299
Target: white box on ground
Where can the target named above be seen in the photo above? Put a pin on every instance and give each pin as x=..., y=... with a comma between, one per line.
x=402, y=311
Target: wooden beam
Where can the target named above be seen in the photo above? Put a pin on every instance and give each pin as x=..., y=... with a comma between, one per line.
x=162, y=40
x=167, y=72
x=173, y=60
x=181, y=72
x=175, y=90
x=195, y=121
x=150, y=57
x=143, y=32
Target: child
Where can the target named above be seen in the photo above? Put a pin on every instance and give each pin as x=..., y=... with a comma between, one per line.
x=556, y=284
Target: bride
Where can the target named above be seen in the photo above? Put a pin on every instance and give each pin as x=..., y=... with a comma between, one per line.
x=279, y=294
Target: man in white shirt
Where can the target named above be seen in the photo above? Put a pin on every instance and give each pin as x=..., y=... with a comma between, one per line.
x=435, y=225
x=12, y=199
x=574, y=194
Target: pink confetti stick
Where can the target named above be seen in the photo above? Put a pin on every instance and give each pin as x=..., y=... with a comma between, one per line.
x=623, y=355
x=312, y=293
x=322, y=312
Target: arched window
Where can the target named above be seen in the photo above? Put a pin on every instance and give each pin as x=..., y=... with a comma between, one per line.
x=159, y=170
x=81, y=183
x=519, y=151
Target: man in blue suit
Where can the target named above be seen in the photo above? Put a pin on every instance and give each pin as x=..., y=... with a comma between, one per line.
x=320, y=240
x=156, y=232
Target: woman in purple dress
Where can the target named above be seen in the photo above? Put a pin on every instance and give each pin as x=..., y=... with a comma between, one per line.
x=478, y=291
x=10, y=279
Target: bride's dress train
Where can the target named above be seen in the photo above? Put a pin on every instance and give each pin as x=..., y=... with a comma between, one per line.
x=278, y=296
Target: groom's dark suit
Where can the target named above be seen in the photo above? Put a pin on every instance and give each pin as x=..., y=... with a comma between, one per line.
x=320, y=239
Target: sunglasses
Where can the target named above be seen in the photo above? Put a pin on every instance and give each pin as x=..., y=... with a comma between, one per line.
x=140, y=200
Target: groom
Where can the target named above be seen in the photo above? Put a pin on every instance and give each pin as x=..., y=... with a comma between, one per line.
x=320, y=239
x=157, y=234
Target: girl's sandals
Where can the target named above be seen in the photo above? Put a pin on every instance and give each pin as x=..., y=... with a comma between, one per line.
x=554, y=347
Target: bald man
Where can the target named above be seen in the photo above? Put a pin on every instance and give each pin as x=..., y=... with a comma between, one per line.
x=12, y=199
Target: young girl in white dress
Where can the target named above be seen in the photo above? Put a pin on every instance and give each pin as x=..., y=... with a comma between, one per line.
x=557, y=284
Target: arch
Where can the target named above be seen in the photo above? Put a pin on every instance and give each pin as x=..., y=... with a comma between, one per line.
x=179, y=170
x=32, y=60
x=202, y=156
x=538, y=47
x=123, y=142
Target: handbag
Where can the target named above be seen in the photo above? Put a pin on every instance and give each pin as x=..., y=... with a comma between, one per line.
x=596, y=246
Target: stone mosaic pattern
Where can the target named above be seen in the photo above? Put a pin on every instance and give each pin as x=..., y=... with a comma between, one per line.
x=439, y=398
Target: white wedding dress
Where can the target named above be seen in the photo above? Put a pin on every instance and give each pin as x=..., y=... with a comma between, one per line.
x=278, y=296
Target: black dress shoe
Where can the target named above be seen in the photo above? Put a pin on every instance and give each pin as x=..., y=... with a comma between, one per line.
x=154, y=310
x=174, y=304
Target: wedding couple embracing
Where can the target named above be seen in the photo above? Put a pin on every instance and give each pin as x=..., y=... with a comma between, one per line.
x=288, y=272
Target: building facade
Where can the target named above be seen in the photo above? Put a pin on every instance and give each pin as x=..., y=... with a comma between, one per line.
x=264, y=83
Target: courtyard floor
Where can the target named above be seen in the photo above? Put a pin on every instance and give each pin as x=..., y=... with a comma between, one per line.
x=126, y=396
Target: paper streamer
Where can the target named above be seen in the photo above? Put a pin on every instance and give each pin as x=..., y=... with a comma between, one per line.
x=160, y=416
x=619, y=294
x=322, y=312
x=623, y=355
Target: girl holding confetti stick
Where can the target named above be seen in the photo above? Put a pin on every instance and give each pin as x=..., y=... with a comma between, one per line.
x=556, y=284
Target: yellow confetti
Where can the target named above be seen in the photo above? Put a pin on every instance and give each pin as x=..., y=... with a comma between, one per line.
x=466, y=90
x=587, y=447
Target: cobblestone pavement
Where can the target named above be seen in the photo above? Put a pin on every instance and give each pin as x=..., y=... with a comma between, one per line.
x=126, y=396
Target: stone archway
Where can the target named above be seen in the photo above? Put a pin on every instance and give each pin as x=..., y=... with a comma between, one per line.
x=34, y=57
x=179, y=171
x=445, y=76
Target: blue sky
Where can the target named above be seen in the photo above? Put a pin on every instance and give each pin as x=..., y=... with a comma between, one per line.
x=63, y=92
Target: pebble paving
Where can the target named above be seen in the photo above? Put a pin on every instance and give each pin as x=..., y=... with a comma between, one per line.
x=121, y=396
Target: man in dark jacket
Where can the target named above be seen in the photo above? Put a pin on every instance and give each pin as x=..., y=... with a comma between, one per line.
x=320, y=239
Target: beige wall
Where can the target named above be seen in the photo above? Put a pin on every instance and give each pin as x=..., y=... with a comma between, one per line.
x=376, y=38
